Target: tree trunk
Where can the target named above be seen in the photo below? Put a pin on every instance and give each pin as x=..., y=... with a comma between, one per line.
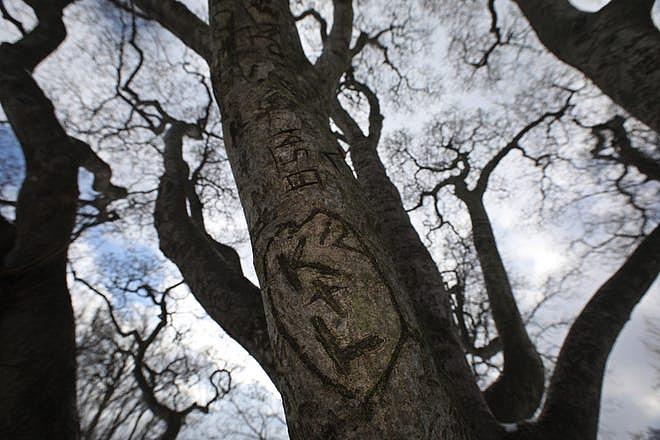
x=37, y=334
x=37, y=343
x=348, y=350
x=422, y=279
x=517, y=392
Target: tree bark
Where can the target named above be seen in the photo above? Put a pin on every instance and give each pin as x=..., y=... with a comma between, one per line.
x=617, y=48
x=37, y=344
x=517, y=392
x=211, y=270
x=37, y=340
x=350, y=358
x=415, y=266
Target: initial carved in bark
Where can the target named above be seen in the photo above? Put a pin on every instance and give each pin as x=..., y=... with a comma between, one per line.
x=332, y=304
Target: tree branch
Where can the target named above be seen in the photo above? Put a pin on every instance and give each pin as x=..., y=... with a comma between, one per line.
x=211, y=269
x=517, y=392
x=488, y=169
x=335, y=58
x=323, y=25
x=415, y=266
x=621, y=33
x=89, y=160
x=178, y=20
x=622, y=144
x=572, y=405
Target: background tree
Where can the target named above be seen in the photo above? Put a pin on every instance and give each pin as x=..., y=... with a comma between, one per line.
x=37, y=354
x=161, y=378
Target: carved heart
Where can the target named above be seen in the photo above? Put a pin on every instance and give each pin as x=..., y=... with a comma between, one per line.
x=331, y=303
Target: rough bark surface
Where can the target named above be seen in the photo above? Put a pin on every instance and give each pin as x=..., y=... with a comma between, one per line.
x=617, y=48
x=351, y=360
x=415, y=266
x=350, y=354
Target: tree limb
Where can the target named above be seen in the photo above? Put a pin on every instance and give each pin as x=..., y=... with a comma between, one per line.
x=628, y=155
x=616, y=48
x=335, y=58
x=572, y=405
x=211, y=269
x=180, y=21
x=415, y=266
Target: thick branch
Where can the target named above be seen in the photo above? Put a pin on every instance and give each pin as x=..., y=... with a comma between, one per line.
x=211, y=269
x=415, y=266
x=323, y=25
x=335, y=58
x=89, y=160
x=517, y=392
x=180, y=21
x=571, y=409
x=617, y=48
x=628, y=155
x=37, y=344
x=30, y=50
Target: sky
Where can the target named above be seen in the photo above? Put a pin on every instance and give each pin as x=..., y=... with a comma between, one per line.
x=631, y=397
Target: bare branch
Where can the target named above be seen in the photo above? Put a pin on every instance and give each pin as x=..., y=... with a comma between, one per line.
x=335, y=58
x=323, y=24
x=177, y=19
x=573, y=401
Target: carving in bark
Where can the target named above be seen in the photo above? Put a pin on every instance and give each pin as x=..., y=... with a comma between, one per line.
x=324, y=283
x=280, y=147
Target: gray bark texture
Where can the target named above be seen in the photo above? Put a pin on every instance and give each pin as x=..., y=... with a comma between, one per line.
x=618, y=48
x=414, y=264
x=350, y=357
